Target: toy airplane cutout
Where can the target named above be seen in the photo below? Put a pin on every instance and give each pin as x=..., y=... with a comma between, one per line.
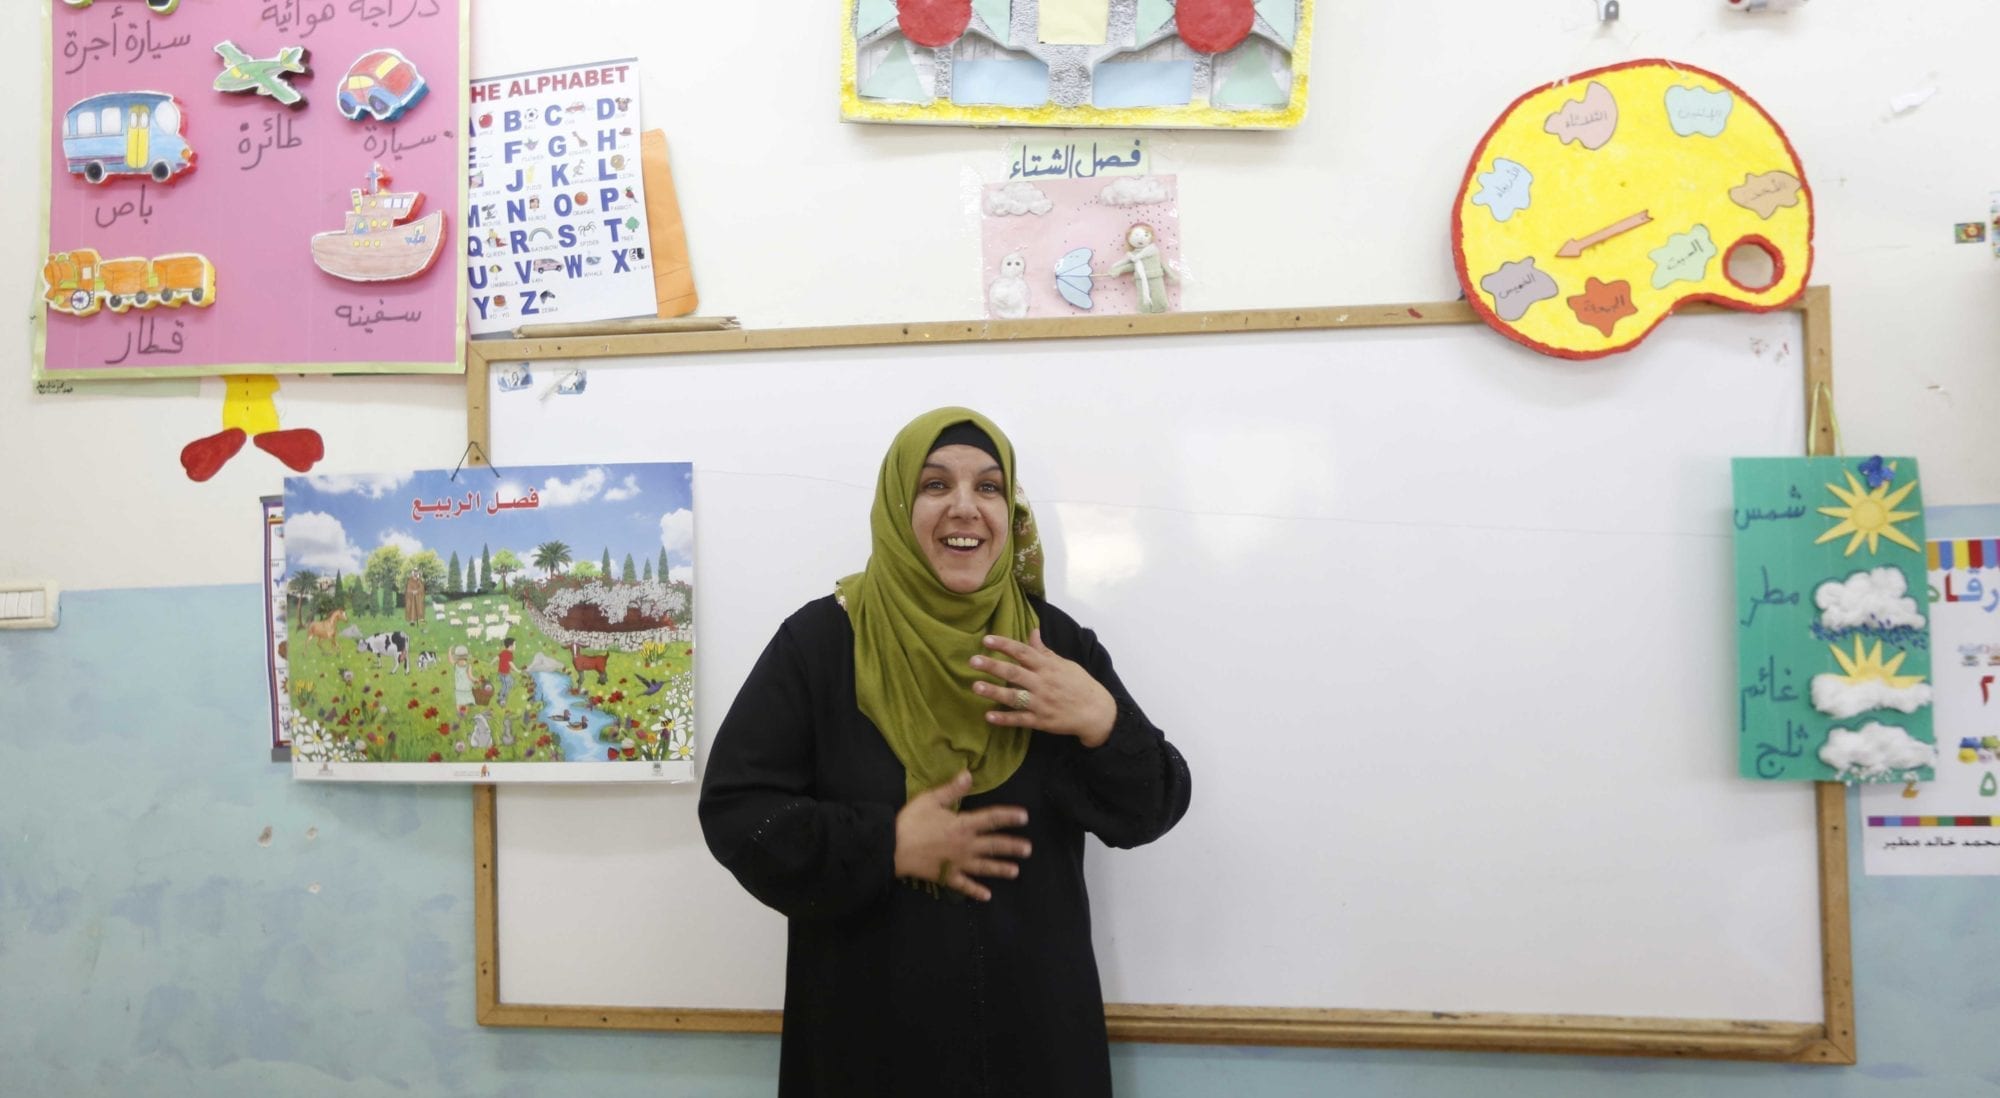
x=245, y=74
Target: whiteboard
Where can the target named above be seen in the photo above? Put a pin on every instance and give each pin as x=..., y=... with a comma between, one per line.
x=1441, y=626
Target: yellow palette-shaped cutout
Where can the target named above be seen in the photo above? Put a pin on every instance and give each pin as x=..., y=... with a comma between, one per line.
x=1597, y=205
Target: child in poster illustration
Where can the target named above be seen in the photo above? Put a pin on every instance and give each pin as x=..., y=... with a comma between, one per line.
x=461, y=677
x=506, y=668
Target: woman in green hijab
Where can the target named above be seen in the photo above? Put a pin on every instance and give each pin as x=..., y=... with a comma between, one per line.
x=908, y=775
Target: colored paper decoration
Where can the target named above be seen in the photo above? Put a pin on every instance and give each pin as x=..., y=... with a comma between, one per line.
x=1226, y=64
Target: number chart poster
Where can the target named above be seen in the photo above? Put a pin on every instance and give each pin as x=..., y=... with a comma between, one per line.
x=240, y=187
x=1832, y=638
x=1950, y=825
x=556, y=229
x=531, y=626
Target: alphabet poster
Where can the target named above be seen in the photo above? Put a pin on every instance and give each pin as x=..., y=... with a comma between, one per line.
x=1951, y=824
x=557, y=228
x=252, y=188
x=533, y=626
x=1832, y=620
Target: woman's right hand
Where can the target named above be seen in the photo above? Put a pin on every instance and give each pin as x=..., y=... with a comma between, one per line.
x=936, y=842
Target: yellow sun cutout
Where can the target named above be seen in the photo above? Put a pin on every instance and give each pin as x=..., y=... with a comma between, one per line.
x=1869, y=665
x=1869, y=515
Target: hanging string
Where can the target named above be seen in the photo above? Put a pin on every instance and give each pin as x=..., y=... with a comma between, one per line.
x=470, y=449
x=1820, y=390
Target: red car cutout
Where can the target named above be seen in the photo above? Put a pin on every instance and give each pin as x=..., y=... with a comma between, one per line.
x=384, y=84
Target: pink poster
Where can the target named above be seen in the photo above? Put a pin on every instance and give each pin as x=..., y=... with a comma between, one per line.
x=1076, y=247
x=239, y=187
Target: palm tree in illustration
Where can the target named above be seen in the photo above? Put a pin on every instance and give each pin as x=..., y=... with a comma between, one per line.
x=551, y=556
x=303, y=585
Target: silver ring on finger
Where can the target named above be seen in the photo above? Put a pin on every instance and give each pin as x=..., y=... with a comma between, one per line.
x=1022, y=699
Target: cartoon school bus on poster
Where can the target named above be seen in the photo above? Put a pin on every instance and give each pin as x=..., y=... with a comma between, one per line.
x=126, y=133
x=79, y=283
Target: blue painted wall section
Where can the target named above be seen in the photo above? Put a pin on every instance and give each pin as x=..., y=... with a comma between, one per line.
x=150, y=944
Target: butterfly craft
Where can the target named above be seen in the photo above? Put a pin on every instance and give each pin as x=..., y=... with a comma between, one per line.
x=1073, y=277
x=1877, y=472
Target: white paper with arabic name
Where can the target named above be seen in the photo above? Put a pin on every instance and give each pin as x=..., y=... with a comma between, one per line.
x=556, y=228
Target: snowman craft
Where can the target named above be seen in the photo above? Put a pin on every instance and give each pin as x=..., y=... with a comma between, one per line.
x=1149, y=271
x=1007, y=297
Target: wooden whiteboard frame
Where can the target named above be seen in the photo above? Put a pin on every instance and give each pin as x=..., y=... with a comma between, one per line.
x=1830, y=1041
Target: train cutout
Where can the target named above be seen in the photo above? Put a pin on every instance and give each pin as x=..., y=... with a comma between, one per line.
x=79, y=283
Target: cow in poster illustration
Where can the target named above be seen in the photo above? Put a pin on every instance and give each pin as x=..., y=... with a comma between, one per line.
x=395, y=645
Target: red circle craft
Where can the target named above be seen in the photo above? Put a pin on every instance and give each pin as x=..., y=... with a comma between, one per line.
x=933, y=23
x=1215, y=26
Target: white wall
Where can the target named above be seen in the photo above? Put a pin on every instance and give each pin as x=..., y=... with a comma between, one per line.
x=798, y=219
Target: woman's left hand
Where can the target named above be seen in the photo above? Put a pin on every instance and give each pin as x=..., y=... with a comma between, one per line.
x=1045, y=691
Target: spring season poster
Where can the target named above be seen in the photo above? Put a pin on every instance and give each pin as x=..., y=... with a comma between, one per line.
x=276, y=642
x=253, y=188
x=556, y=230
x=1950, y=825
x=534, y=626
x=1832, y=620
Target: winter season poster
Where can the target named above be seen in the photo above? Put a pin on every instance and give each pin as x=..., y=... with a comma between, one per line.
x=252, y=188
x=1950, y=825
x=556, y=230
x=1072, y=247
x=1832, y=628
x=534, y=626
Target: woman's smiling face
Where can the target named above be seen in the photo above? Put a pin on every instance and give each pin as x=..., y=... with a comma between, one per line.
x=960, y=515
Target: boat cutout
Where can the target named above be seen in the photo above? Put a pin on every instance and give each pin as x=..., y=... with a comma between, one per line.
x=380, y=242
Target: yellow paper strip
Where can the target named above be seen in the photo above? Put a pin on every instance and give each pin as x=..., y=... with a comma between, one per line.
x=1074, y=22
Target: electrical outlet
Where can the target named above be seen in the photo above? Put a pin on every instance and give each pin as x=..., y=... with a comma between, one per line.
x=28, y=605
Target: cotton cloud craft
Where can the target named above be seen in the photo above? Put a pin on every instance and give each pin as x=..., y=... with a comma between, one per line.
x=1598, y=205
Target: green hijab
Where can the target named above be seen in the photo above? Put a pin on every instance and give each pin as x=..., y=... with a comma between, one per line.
x=913, y=636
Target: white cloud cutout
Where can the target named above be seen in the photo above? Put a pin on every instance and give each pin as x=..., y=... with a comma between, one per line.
x=1016, y=199
x=374, y=487
x=556, y=492
x=1841, y=699
x=409, y=545
x=1876, y=598
x=317, y=540
x=1133, y=190
x=683, y=573
x=677, y=531
x=1877, y=751
x=626, y=489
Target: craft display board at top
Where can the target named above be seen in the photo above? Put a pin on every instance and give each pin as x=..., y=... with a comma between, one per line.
x=253, y=188
x=1504, y=805
x=1191, y=64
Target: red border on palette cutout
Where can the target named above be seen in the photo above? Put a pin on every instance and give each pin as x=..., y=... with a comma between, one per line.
x=1476, y=297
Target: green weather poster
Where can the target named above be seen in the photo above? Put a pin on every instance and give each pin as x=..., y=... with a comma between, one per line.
x=1833, y=650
